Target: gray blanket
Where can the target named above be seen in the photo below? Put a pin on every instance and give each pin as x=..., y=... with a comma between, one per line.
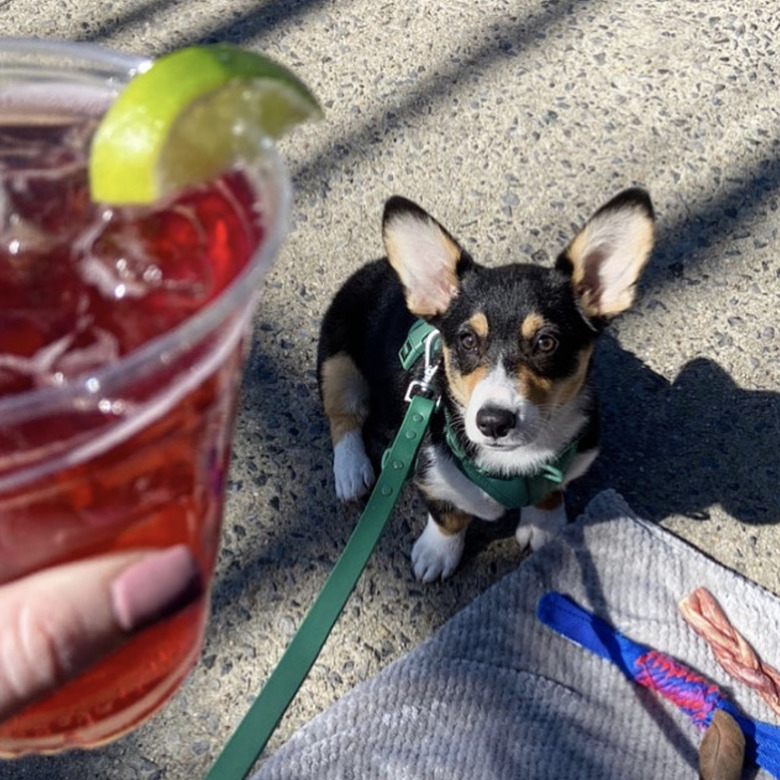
x=494, y=694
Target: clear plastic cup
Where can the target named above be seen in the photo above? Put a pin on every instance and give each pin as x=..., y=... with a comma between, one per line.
x=131, y=454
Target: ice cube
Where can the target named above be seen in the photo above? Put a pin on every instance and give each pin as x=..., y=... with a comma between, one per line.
x=87, y=351
x=72, y=355
x=130, y=253
x=36, y=370
x=43, y=180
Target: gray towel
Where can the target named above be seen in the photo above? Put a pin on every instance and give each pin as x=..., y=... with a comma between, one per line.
x=494, y=694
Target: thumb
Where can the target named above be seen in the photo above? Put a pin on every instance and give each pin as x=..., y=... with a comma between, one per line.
x=58, y=622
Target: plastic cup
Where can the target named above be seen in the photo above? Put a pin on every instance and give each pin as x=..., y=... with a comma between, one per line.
x=132, y=455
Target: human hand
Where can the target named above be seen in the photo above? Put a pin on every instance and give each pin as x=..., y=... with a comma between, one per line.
x=59, y=621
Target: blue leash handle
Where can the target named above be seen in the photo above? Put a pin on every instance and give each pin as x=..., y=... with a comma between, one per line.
x=691, y=692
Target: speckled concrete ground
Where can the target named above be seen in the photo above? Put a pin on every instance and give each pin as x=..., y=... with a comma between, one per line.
x=510, y=121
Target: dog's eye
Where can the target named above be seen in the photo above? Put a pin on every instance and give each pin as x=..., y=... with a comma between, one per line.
x=468, y=341
x=545, y=344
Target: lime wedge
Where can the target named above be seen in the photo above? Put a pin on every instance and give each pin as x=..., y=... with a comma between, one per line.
x=191, y=116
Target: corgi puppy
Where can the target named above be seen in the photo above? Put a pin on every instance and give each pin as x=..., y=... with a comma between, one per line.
x=516, y=407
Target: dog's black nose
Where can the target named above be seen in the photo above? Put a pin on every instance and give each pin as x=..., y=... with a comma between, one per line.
x=495, y=421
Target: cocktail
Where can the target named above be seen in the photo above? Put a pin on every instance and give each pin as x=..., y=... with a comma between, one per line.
x=123, y=332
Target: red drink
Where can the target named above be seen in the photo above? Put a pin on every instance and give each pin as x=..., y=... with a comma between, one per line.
x=121, y=345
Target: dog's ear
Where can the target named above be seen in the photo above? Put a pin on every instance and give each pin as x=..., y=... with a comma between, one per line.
x=427, y=259
x=606, y=258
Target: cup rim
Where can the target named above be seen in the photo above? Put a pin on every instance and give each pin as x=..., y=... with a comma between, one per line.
x=86, y=52
x=86, y=390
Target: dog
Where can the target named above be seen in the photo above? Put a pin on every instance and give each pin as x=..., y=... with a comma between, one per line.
x=516, y=405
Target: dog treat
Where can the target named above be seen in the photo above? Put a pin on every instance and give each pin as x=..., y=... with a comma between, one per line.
x=722, y=749
x=732, y=651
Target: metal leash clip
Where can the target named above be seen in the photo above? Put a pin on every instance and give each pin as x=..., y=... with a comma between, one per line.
x=423, y=386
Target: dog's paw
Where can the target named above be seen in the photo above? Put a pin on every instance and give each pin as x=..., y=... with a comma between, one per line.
x=531, y=536
x=436, y=555
x=352, y=470
x=538, y=526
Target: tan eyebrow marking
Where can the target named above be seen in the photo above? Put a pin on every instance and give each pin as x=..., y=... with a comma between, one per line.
x=531, y=324
x=479, y=325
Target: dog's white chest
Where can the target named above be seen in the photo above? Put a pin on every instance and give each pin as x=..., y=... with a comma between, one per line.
x=444, y=481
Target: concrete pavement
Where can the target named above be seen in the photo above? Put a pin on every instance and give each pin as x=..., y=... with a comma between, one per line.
x=511, y=122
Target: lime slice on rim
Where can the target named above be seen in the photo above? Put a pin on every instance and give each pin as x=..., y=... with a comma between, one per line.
x=191, y=116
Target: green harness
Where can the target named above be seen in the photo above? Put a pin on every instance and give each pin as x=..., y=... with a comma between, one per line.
x=510, y=492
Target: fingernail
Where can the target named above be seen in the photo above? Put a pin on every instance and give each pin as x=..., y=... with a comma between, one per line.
x=156, y=587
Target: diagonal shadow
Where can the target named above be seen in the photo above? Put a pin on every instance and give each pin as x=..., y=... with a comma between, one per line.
x=109, y=27
x=508, y=41
x=261, y=20
x=256, y=22
x=681, y=244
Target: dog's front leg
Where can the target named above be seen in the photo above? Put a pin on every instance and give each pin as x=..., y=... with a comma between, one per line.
x=539, y=523
x=437, y=553
x=345, y=395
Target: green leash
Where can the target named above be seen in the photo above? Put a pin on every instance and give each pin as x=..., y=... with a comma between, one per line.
x=254, y=731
